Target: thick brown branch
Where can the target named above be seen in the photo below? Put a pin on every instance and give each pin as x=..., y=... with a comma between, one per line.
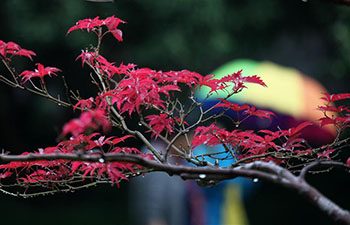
x=336, y=213
x=262, y=170
x=229, y=173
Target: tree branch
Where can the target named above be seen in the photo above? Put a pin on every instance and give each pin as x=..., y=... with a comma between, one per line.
x=336, y=213
x=314, y=164
x=267, y=171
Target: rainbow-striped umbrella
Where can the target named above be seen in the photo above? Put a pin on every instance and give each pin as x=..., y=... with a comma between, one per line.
x=290, y=94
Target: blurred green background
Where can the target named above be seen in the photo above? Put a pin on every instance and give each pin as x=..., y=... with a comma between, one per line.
x=197, y=35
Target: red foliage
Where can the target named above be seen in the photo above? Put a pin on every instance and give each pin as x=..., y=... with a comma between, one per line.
x=326, y=154
x=90, y=119
x=252, y=111
x=230, y=105
x=12, y=48
x=339, y=109
x=159, y=123
x=338, y=121
x=40, y=72
x=84, y=104
x=139, y=87
x=340, y=116
x=91, y=24
x=254, y=79
x=235, y=79
x=247, y=109
x=238, y=81
x=47, y=171
x=87, y=57
x=335, y=97
x=251, y=143
x=102, y=64
x=135, y=90
x=295, y=131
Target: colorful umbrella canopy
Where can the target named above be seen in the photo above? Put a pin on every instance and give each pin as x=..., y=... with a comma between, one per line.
x=290, y=94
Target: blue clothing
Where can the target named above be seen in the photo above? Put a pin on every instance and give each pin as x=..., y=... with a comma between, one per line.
x=225, y=196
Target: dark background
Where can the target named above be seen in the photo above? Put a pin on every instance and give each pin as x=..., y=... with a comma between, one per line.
x=197, y=35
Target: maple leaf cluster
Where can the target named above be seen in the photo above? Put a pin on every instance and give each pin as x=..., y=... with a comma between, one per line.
x=111, y=23
x=246, y=109
x=159, y=123
x=41, y=71
x=92, y=119
x=124, y=90
x=145, y=87
x=247, y=143
x=49, y=172
x=342, y=118
x=12, y=49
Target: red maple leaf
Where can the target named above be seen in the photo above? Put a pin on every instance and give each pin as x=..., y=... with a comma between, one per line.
x=252, y=111
x=335, y=97
x=339, y=121
x=213, y=84
x=326, y=154
x=87, y=24
x=89, y=119
x=274, y=134
x=230, y=105
x=87, y=57
x=111, y=23
x=84, y=104
x=209, y=135
x=116, y=140
x=295, y=131
x=338, y=109
x=14, y=49
x=254, y=79
x=139, y=87
x=184, y=76
x=41, y=71
x=159, y=123
x=110, y=69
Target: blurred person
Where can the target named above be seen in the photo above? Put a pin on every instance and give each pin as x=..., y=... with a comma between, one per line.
x=157, y=198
